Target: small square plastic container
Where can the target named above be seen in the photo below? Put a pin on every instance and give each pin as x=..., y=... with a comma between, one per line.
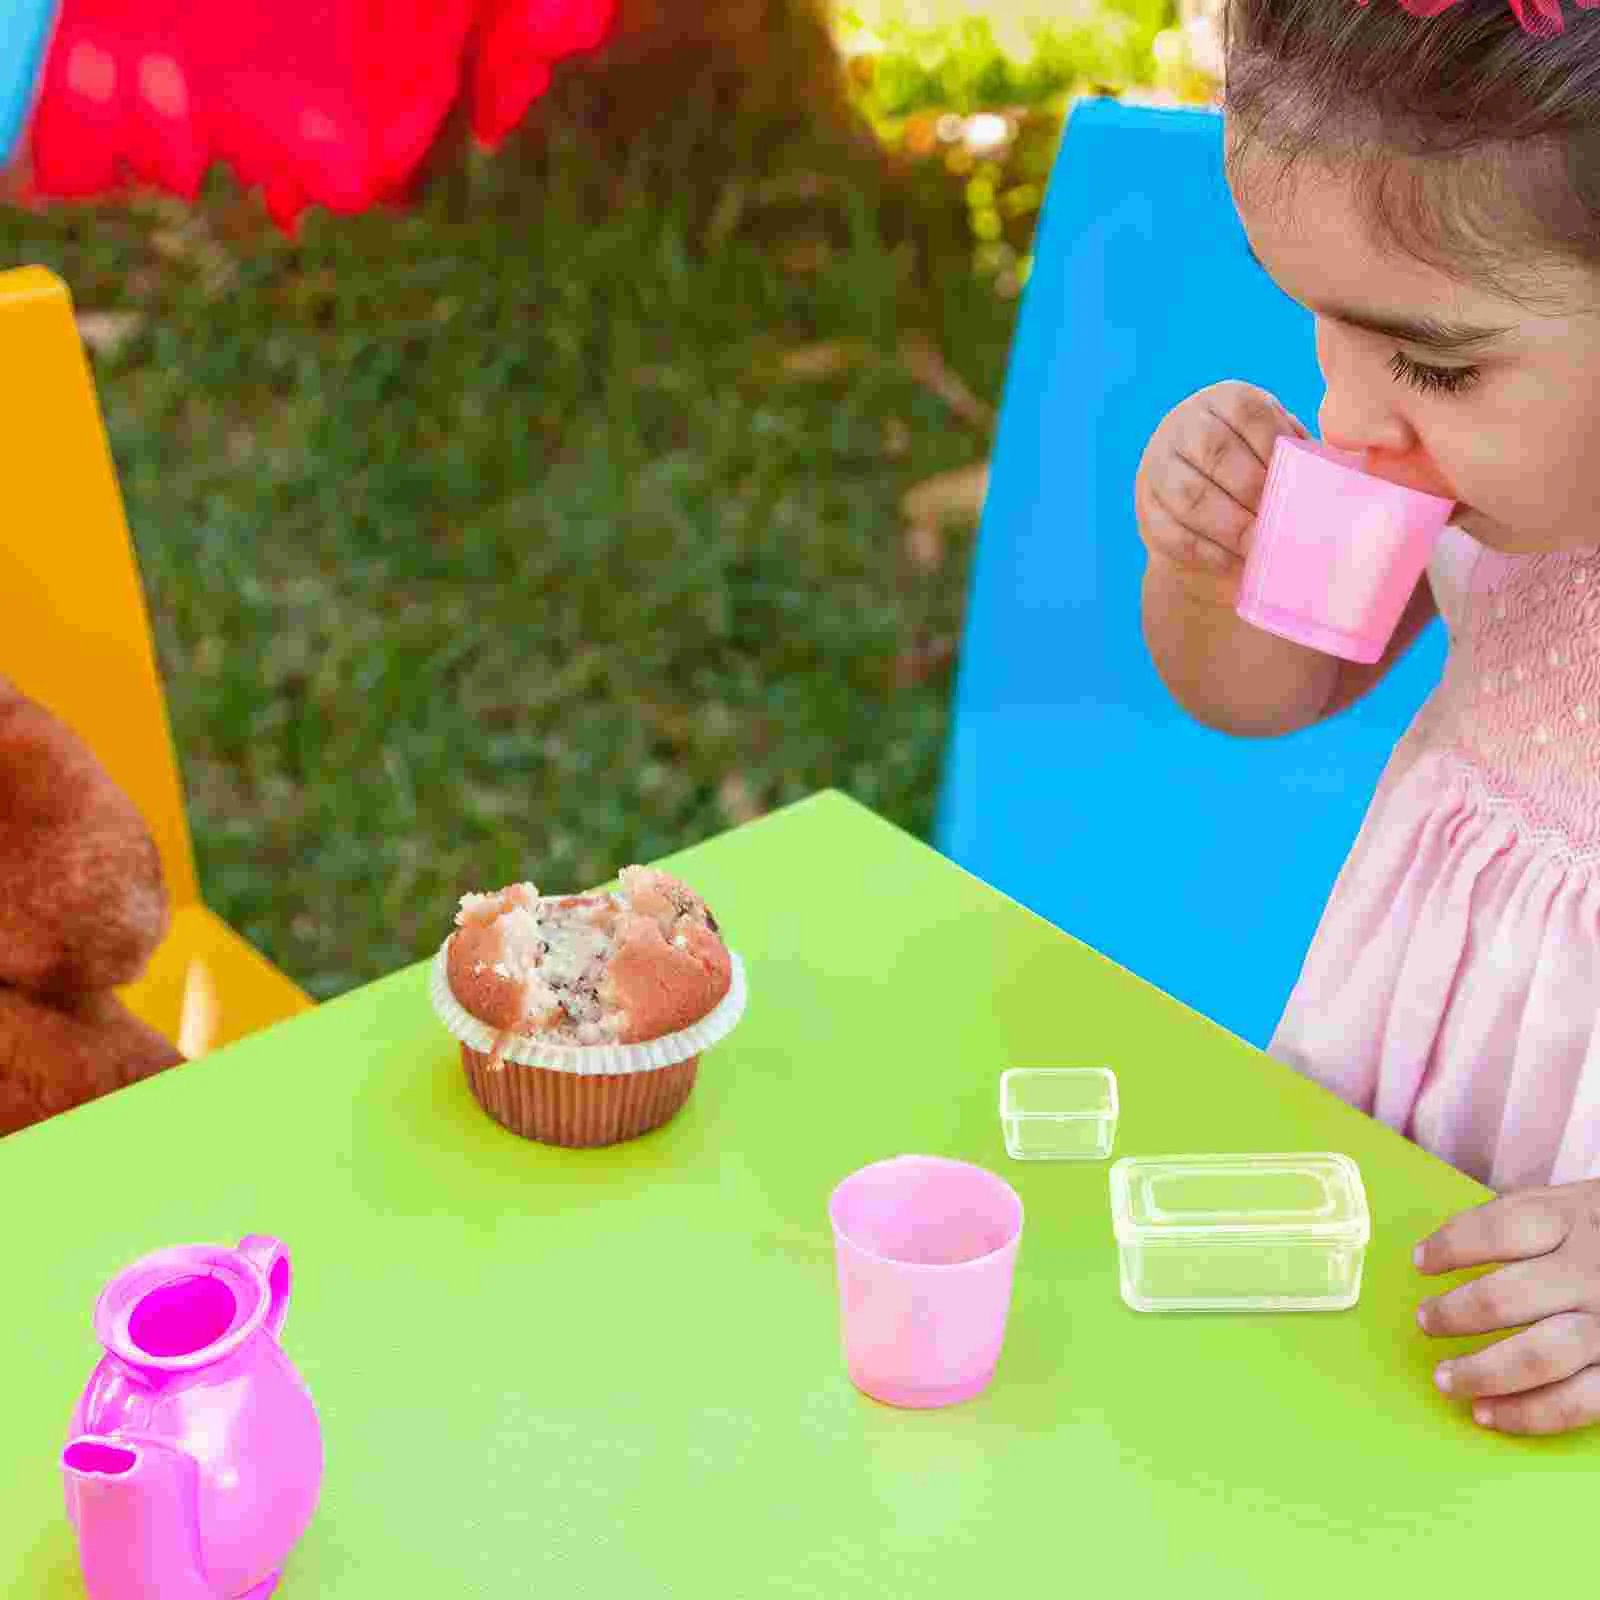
x=1240, y=1232
x=1059, y=1113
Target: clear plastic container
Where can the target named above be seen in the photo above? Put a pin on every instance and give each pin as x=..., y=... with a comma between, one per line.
x=1059, y=1113
x=1240, y=1232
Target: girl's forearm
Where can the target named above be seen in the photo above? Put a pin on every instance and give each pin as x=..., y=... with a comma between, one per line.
x=1226, y=673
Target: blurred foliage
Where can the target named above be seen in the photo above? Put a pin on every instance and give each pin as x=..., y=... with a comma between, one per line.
x=961, y=65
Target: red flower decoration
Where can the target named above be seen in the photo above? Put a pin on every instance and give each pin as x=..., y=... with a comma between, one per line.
x=319, y=102
x=518, y=44
x=1540, y=17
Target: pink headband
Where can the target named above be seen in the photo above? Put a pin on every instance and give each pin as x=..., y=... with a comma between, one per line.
x=1541, y=17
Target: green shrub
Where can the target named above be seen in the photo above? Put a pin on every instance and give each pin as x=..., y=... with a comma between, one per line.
x=962, y=66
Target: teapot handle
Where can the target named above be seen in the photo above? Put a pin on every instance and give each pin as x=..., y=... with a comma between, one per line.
x=272, y=1256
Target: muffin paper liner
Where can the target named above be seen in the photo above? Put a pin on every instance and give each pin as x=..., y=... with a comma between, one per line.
x=591, y=1060
x=577, y=1111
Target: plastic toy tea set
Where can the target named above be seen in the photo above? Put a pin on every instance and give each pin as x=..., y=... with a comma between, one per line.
x=194, y=1460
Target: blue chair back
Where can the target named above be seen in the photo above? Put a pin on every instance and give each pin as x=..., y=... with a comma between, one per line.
x=24, y=35
x=1072, y=781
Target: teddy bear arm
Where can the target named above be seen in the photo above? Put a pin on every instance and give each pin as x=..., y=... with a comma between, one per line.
x=53, y=1059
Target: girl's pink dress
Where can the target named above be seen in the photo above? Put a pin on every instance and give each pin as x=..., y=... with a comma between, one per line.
x=1453, y=987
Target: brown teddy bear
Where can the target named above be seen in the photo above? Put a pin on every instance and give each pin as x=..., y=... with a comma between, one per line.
x=82, y=909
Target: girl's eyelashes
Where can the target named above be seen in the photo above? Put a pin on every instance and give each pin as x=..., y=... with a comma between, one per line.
x=1433, y=380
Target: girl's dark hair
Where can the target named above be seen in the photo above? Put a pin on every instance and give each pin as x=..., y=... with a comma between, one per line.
x=1472, y=146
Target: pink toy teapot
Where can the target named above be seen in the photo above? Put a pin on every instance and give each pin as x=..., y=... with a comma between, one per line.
x=196, y=1455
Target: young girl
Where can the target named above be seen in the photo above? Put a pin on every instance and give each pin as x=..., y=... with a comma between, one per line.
x=1428, y=187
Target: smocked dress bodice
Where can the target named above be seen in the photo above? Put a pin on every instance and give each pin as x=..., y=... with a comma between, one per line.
x=1453, y=986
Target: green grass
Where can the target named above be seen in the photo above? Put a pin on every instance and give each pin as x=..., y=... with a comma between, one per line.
x=484, y=543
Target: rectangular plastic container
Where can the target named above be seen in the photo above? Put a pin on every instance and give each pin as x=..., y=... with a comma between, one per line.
x=1240, y=1232
x=1059, y=1113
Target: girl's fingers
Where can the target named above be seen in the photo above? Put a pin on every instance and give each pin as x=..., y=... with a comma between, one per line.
x=1185, y=497
x=1201, y=479
x=1253, y=416
x=1550, y=1351
x=1185, y=548
x=1514, y=1227
x=1230, y=477
x=1557, y=1408
x=1510, y=1298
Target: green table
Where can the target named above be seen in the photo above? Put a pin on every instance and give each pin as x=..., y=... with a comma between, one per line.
x=615, y=1373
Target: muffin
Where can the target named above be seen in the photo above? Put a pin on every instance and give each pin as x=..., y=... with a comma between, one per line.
x=582, y=1018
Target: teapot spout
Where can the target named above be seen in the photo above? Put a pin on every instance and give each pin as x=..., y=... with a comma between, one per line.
x=135, y=1504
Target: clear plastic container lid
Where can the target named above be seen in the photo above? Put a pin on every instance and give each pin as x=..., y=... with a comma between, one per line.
x=1058, y=1092
x=1312, y=1197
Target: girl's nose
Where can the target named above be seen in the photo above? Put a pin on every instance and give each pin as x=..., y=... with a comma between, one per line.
x=1360, y=418
x=1358, y=412
x=1377, y=433
x=1388, y=444
x=1365, y=422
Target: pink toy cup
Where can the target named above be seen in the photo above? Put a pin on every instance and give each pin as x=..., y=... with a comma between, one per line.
x=1337, y=552
x=926, y=1250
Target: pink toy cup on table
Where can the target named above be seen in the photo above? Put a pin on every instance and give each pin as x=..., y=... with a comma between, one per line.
x=1337, y=553
x=926, y=1250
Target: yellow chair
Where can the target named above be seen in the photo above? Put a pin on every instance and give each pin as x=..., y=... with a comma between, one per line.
x=75, y=635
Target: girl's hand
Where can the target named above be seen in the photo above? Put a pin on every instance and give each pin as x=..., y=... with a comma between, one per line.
x=1546, y=1378
x=1200, y=481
